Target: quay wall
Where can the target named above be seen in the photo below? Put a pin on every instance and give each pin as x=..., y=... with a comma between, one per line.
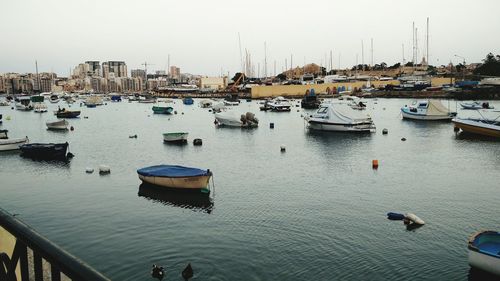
x=299, y=90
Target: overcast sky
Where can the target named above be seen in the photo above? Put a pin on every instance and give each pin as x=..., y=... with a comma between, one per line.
x=202, y=36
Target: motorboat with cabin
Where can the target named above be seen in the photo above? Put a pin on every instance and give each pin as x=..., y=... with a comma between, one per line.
x=429, y=110
x=278, y=104
x=339, y=117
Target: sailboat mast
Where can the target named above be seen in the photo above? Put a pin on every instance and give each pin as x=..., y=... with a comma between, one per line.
x=241, y=56
x=37, y=77
x=427, y=52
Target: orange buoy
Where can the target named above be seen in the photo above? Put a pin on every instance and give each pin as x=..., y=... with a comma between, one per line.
x=375, y=164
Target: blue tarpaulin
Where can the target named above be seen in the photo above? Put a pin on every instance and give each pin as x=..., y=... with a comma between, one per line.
x=172, y=171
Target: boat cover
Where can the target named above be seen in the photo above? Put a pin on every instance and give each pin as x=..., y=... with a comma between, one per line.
x=436, y=108
x=171, y=171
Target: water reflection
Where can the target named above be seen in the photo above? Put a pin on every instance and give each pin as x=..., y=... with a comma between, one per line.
x=193, y=201
x=474, y=137
x=479, y=275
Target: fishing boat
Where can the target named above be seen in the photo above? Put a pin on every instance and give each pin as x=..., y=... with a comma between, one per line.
x=24, y=104
x=205, y=103
x=178, y=137
x=339, y=117
x=162, y=109
x=310, y=100
x=10, y=144
x=230, y=119
x=279, y=104
x=64, y=113
x=176, y=177
x=45, y=151
x=429, y=110
x=480, y=126
x=54, y=98
x=484, y=251
x=476, y=105
x=40, y=107
x=187, y=100
x=57, y=125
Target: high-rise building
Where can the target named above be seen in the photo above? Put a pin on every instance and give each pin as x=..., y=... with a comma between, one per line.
x=138, y=73
x=119, y=68
x=94, y=68
x=175, y=72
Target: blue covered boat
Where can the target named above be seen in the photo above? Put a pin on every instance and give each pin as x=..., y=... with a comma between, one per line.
x=176, y=177
x=116, y=98
x=484, y=251
x=188, y=100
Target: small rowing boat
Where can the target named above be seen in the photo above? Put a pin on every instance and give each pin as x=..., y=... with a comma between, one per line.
x=179, y=137
x=176, y=177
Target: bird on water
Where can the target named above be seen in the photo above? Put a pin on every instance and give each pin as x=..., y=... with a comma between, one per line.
x=157, y=272
x=187, y=273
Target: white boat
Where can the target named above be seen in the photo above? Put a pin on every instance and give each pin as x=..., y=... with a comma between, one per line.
x=231, y=103
x=179, y=137
x=220, y=107
x=12, y=144
x=205, y=103
x=40, y=107
x=484, y=251
x=340, y=117
x=476, y=105
x=430, y=110
x=279, y=104
x=492, y=81
x=54, y=98
x=230, y=119
x=481, y=126
x=4, y=103
x=57, y=125
x=24, y=103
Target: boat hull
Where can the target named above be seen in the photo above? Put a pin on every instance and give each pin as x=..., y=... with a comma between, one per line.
x=162, y=110
x=337, y=127
x=484, y=262
x=49, y=151
x=12, y=144
x=196, y=183
x=68, y=114
x=408, y=115
x=475, y=127
x=57, y=125
x=175, y=137
x=484, y=251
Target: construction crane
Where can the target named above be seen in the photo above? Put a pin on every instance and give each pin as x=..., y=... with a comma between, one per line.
x=235, y=84
x=146, y=74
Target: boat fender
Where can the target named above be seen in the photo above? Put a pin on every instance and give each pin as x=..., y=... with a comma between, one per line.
x=414, y=219
x=395, y=216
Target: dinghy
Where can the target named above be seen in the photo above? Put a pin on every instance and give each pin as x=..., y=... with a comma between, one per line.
x=176, y=177
x=484, y=251
x=57, y=125
x=178, y=137
x=10, y=144
x=45, y=151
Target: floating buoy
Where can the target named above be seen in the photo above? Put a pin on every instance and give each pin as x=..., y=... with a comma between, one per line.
x=395, y=216
x=7, y=118
x=71, y=128
x=209, y=110
x=385, y=131
x=197, y=142
x=182, y=113
x=375, y=164
x=403, y=139
x=414, y=219
x=104, y=169
x=271, y=125
x=12, y=108
x=283, y=148
x=132, y=136
x=187, y=273
x=175, y=112
x=89, y=170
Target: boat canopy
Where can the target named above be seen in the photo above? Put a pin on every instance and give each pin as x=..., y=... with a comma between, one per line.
x=340, y=112
x=436, y=108
x=172, y=171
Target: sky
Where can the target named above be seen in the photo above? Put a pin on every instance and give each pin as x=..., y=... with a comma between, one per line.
x=201, y=36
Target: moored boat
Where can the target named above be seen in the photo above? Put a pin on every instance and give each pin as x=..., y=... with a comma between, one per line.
x=478, y=126
x=279, y=104
x=484, y=251
x=10, y=144
x=24, y=104
x=162, y=109
x=476, y=105
x=54, y=98
x=340, y=117
x=188, y=100
x=310, y=100
x=57, y=125
x=64, y=113
x=178, y=137
x=429, y=110
x=176, y=177
x=230, y=119
x=45, y=151
x=40, y=107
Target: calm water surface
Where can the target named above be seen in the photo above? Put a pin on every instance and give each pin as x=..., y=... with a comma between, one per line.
x=315, y=212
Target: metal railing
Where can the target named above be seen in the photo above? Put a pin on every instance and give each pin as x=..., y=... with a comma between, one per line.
x=60, y=261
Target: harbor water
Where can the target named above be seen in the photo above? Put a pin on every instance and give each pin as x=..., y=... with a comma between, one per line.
x=314, y=212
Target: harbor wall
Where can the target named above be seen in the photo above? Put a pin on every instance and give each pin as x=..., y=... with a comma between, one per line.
x=299, y=90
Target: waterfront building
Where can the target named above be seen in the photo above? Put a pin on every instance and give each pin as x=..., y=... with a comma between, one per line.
x=213, y=83
x=175, y=72
x=94, y=68
x=118, y=68
x=138, y=73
